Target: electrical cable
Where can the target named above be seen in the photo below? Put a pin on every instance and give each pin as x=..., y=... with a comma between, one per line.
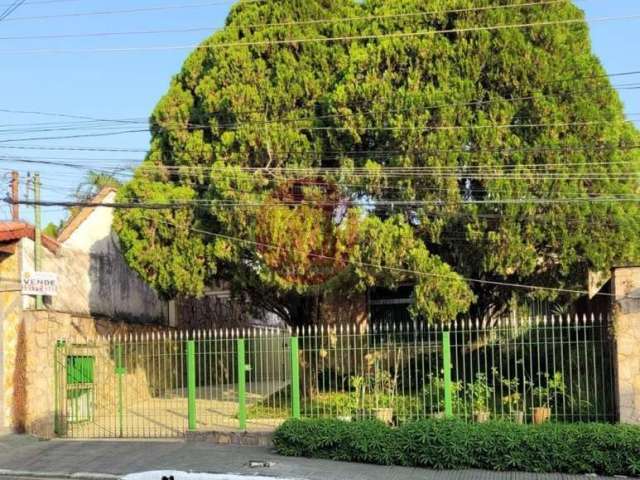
x=346, y=38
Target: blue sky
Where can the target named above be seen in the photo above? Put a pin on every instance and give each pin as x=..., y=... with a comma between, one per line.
x=128, y=85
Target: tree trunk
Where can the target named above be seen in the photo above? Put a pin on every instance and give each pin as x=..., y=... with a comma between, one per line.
x=305, y=313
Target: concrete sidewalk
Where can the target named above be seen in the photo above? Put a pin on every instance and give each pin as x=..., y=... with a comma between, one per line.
x=65, y=457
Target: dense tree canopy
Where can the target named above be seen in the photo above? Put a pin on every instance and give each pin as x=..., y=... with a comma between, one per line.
x=432, y=157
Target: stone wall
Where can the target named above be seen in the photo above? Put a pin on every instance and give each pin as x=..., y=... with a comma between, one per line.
x=10, y=314
x=625, y=284
x=36, y=339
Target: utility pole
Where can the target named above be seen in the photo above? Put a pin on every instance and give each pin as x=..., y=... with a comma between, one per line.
x=15, y=208
x=37, y=254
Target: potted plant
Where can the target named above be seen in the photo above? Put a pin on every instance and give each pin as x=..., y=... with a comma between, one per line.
x=546, y=396
x=513, y=400
x=345, y=405
x=359, y=385
x=479, y=393
x=384, y=394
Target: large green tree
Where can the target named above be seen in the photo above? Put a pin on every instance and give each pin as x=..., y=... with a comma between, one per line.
x=426, y=151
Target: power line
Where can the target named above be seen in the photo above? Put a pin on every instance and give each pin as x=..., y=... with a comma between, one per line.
x=65, y=115
x=74, y=148
x=135, y=10
x=104, y=134
x=372, y=204
x=257, y=43
x=92, y=119
x=364, y=128
x=42, y=2
x=163, y=125
x=10, y=9
x=454, y=276
x=234, y=26
x=383, y=169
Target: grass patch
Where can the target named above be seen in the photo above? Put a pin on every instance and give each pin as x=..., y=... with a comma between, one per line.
x=334, y=404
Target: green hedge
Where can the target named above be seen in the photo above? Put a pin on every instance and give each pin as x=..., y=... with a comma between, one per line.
x=454, y=445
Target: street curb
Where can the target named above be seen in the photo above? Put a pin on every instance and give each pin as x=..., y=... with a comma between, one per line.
x=74, y=476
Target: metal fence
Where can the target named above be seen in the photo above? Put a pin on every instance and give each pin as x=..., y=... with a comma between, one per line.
x=162, y=385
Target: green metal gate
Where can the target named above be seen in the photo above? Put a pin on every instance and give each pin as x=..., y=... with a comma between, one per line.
x=166, y=384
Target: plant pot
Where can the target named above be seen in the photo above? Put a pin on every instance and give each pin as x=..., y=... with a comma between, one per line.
x=385, y=415
x=361, y=414
x=518, y=417
x=481, y=417
x=344, y=418
x=541, y=415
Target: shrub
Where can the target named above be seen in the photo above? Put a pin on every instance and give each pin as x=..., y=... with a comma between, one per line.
x=452, y=444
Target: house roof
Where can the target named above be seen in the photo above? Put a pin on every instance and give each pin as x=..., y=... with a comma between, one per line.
x=10, y=231
x=77, y=220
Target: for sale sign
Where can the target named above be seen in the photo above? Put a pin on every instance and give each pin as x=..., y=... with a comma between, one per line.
x=39, y=283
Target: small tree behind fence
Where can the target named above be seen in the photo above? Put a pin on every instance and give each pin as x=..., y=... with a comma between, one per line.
x=531, y=370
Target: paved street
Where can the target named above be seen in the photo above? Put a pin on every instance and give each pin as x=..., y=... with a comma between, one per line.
x=121, y=457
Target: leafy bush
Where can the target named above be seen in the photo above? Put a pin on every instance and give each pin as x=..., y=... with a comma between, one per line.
x=451, y=444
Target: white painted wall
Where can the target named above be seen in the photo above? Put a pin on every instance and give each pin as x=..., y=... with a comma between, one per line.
x=93, y=277
x=89, y=236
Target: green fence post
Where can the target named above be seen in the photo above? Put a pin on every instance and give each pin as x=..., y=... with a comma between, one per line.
x=242, y=387
x=446, y=362
x=120, y=371
x=295, y=378
x=191, y=384
x=57, y=429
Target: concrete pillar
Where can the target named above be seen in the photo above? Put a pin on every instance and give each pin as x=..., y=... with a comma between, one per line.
x=625, y=286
